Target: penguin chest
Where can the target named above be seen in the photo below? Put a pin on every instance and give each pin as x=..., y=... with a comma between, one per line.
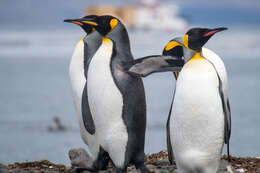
x=76, y=73
x=77, y=81
x=198, y=120
x=105, y=99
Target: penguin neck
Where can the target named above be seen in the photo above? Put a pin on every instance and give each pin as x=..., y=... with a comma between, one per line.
x=197, y=56
x=91, y=44
x=188, y=54
x=93, y=37
x=120, y=37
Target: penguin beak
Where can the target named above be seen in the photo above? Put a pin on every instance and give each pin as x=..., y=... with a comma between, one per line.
x=88, y=21
x=214, y=31
x=81, y=21
x=75, y=21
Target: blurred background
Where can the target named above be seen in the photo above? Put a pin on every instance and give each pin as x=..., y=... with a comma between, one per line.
x=37, y=116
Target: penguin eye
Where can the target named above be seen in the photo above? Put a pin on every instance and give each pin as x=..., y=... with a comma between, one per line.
x=113, y=23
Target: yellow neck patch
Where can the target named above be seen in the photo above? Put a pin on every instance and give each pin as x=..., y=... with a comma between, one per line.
x=113, y=23
x=171, y=45
x=105, y=39
x=196, y=57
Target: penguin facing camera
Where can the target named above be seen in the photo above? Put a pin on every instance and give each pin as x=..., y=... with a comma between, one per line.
x=199, y=122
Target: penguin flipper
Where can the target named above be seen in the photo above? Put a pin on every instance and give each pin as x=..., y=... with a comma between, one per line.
x=86, y=114
x=227, y=116
x=145, y=66
x=169, y=145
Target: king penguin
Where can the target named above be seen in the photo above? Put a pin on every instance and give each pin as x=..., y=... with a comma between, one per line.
x=79, y=65
x=200, y=119
x=116, y=99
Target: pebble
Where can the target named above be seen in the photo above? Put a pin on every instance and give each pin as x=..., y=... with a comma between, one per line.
x=79, y=157
x=240, y=170
x=151, y=166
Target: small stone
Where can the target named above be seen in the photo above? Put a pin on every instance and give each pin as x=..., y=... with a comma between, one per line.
x=240, y=170
x=35, y=171
x=163, y=162
x=150, y=166
x=15, y=170
x=156, y=171
x=80, y=158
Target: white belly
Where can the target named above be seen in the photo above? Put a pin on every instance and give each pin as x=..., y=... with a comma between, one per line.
x=106, y=104
x=197, y=120
x=77, y=81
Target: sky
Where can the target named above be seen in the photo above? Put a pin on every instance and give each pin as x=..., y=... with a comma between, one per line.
x=38, y=13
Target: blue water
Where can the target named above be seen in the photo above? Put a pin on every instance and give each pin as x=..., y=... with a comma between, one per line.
x=35, y=88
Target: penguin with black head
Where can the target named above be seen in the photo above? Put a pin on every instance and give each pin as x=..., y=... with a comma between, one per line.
x=78, y=70
x=200, y=120
x=116, y=98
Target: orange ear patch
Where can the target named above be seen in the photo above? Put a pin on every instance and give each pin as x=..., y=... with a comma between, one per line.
x=186, y=40
x=113, y=23
x=171, y=45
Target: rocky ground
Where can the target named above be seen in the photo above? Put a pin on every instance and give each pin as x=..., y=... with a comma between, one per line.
x=157, y=163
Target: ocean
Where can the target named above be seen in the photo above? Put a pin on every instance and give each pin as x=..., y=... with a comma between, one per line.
x=35, y=89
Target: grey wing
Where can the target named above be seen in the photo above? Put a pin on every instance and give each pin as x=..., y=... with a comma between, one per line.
x=227, y=115
x=86, y=114
x=155, y=63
